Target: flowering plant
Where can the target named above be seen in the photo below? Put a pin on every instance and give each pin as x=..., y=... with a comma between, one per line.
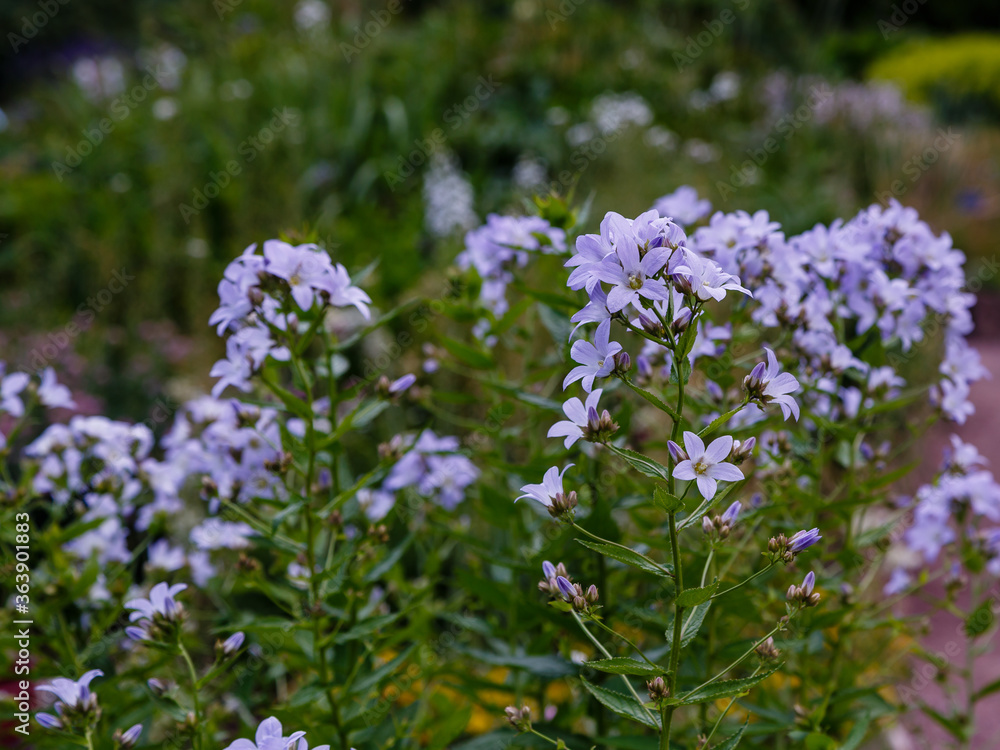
x=717, y=525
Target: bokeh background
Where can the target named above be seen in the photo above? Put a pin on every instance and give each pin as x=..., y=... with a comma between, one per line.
x=404, y=122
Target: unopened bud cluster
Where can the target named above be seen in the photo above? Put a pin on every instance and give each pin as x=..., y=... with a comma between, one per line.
x=562, y=504
x=719, y=527
x=519, y=718
x=599, y=429
x=658, y=690
x=767, y=651
x=803, y=595
x=786, y=549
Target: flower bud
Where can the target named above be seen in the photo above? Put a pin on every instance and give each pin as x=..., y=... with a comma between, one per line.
x=658, y=690
x=742, y=450
x=676, y=452
x=519, y=718
x=767, y=651
x=592, y=595
x=127, y=738
x=232, y=644
x=651, y=326
x=563, y=503
x=623, y=363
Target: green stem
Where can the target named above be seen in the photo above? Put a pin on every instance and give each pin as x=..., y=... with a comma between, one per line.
x=667, y=712
x=90, y=738
x=607, y=655
x=725, y=711
x=194, y=693
x=759, y=573
x=544, y=737
x=735, y=664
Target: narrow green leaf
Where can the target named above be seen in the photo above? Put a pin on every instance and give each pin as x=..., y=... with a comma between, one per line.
x=733, y=740
x=986, y=690
x=980, y=620
x=691, y=625
x=629, y=557
x=625, y=665
x=653, y=399
x=724, y=689
x=694, y=597
x=623, y=705
x=666, y=501
x=643, y=464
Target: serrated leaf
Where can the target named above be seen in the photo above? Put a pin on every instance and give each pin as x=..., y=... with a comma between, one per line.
x=691, y=625
x=629, y=557
x=723, y=689
x=625, y=665
x=733, y=740
x=980, y=620
x=642, y=463
x=694, y=597
x=623, y=705
x=653, y=399
x=666, y=501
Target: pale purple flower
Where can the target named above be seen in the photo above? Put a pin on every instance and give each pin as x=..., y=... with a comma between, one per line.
x=802, y=540
x=73, y=693
x=160, y=602
x=732, y=514
x=269, y=737
x=10, y=388
x=233, y=643
x=548, y=490
x=52, y=394
x=131, y=735
x=768, y=383
x=578, y=416
x=628, y=271
x=71, y=696
x=706, y=278
x=595, y=360
x=707, y=466
x=401, y=384
x=683, y=205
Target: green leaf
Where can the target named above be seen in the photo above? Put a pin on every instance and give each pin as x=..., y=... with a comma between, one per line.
x=653, y=399
x=723, y=689
x=694, y=597
x=980, y=620
x=733, y=740
x=466, y=354
x=987, y=690
x=642, y=463
x=629, y=557
x=691, y=625
x=625, y=665
x=623, y=705
x=666, y=501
